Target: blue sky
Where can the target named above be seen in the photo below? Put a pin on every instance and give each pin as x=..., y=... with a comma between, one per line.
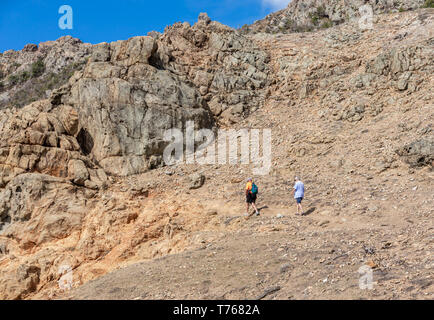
x=94, y=21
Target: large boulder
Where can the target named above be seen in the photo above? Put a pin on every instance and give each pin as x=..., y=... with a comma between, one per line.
x=78, y=172
x=418, y=153
x=197, y=180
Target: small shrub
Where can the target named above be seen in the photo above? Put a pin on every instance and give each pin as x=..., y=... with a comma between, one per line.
x=38, y=68
x=24, y=76
x=13, y=80
x=321, y=11
x=327, y=23
x=18, y=78
x=428, y=4
x=318, y=15
x=38, y=86
x=289, y=24
x=314, y=18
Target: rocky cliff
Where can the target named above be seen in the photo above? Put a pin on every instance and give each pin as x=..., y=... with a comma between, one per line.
x=83, y=184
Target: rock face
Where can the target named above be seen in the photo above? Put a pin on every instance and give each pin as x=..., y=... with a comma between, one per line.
x=131, y=91
x=306, y=15
x=229, y=70
x=41, y=139
x=125, y=105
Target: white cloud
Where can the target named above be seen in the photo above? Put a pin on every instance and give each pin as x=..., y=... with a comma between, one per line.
x=276, y=4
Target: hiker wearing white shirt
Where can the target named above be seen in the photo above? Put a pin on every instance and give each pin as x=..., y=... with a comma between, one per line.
x=298, y=194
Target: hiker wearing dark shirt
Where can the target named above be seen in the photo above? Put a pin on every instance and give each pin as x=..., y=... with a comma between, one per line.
x=251, y=192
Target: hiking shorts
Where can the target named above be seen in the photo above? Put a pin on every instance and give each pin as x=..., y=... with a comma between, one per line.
x=251, y=198
x=298, y=200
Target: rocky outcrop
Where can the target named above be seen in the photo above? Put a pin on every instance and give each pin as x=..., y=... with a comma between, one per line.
x=40, y=139
x=125, y=105
x=405, y=66
x=131, y=91
x=307, y=15
x=229, y=70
